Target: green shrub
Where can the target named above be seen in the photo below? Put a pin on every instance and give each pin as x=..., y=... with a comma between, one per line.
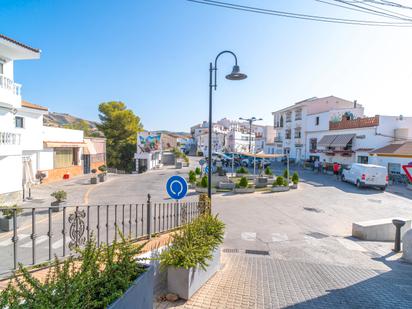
x=268, y=171
x=242, y=170
x=204, y=182
x=60, y=195
x=279, y=181
x=193, y=245
x=8, y=211
x=198, y=171
x=295, y=178
x=186, y=158
x=286, y=174
x=192, y=177
x=95, y=280
x=243, y=183
x=102, y=168
x=285, y=183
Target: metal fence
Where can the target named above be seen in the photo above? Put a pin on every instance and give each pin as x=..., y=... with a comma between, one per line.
x=58, y=230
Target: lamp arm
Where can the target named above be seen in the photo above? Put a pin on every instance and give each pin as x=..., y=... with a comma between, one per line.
x=215, y=67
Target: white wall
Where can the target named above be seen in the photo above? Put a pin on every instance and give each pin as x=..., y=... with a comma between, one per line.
x=31, y=134
x=52, y=134
x=45, y=159
x=11, y=174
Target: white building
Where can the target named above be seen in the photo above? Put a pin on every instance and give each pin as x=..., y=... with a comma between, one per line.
x=149, y=151
x=294, y=122
x=11, y=110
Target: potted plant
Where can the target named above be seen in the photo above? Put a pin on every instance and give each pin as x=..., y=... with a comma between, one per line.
x=60, y=197
x=268, y=171
x=108, y=276
x=6, y=221
x=295, y=180
x=185, y=160
x=280, y=184
x=240, y=172
x=243, y=186
x=93, y=180
x=192, y=179
x=198, y=171
x=202, y=185
x=103, y=173
x=193, y=255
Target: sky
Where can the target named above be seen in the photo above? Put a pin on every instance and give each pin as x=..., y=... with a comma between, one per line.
x=154, y=55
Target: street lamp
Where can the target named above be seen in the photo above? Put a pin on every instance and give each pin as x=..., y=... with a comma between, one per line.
x=235, y=75
x=251, y=121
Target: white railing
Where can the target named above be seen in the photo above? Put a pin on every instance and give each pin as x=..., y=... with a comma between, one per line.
x=8, y=84
x=8, y=138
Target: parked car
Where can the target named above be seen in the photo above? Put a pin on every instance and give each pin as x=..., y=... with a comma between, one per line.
x=366, y=175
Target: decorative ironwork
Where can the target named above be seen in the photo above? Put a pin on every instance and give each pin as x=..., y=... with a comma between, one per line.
x=77, y=229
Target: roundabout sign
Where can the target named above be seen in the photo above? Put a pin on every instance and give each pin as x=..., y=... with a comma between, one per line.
x=176, y=187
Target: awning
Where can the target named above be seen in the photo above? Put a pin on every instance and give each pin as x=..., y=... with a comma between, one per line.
x=326, y=140
x=64, y=144
x=342, y=140
x=89, y=148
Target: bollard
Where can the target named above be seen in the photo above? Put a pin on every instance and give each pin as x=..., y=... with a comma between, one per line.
x=398, y=224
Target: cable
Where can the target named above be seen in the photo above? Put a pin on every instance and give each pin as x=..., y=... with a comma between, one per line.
x=367, y=3
x=300, y=16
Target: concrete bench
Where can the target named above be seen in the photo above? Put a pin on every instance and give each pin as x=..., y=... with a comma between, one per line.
x=378, y=230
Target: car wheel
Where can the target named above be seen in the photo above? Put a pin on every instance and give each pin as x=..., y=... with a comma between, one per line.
x=358, y=184
x=383, y=188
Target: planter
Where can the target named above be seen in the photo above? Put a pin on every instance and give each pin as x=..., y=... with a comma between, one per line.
x=6, y=225
x=185, y=282
x=204, y=190
x=226, y=185
x=192, y=186
x=93, y=180
x=244, y=190
x=280, y=189
x=102, y=177
x=261, y=182
x=140, y=294
x=185, y=164
x=178, y=165
x=57, y=206
x=293, y=186
x=241, y=175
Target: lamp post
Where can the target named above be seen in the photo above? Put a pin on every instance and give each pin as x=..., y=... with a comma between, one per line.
x=251, y=121
x=235, y=75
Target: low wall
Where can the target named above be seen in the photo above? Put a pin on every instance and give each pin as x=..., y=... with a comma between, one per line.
x=378, y=230
x=57, y=173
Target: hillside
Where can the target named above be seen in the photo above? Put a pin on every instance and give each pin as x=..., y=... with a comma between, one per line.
x=53, y=119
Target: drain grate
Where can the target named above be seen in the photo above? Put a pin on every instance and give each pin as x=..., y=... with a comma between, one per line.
x=258, y=252
x=230, y=250
x=317, y=235
x=312, y=209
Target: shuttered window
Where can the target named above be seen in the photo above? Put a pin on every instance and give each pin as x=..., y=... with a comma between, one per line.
x=63, y=157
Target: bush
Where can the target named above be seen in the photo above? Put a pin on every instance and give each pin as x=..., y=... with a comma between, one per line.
x=186, y=158
x=286, y=174
x=102, y=168
x=192, y=177
x=193, y=245
x=279, y=181
x=268, y=171
x=94, y=171
x=295, y=178
x=60, y=195
x=242, y=170
x=285, y=183
x=204, y=182
x=243, y=183
x=8, y=211
x=95, y=280
x=198, y=171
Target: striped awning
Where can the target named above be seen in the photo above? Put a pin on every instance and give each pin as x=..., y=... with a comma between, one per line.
x=326, y=140
x=49, y=144
x=342, y=140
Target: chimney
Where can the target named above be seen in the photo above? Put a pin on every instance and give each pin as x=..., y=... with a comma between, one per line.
x=354, y=103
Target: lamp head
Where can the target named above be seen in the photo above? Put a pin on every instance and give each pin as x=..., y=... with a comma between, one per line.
x=236, y=75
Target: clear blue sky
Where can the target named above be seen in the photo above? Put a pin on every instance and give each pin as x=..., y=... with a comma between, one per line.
x=154, y=56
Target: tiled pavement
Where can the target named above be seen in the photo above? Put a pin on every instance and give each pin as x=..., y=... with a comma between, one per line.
x=256, y=281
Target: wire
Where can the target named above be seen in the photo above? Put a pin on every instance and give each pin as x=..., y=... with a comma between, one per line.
x=367, y=3
x=300, y=16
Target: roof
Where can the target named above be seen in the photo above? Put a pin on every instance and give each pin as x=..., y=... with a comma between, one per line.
x=395, y=149
x=33, y=106
x=36, y=50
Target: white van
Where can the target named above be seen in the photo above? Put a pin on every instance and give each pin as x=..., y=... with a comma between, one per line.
x=366, y=175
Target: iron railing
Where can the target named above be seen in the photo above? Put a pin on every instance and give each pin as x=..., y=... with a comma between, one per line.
x=58, y=230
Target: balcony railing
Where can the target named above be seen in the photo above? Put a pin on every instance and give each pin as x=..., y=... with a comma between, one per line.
x=8, y=84
x=354, y=123
x=8, y=138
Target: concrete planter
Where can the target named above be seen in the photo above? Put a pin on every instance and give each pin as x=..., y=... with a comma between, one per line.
x=244, y=190
x=204, y=190
x=6, y=225
x=261, y=182
x=241, y=175
x=280, y=189
x=293, y=186
x=102, y=177
x=185, y=282
x=139, y=295
x=226, y=185
x=93, y=180
x=57, y=206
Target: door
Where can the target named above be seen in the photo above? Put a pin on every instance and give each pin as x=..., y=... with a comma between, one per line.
x=86, y=164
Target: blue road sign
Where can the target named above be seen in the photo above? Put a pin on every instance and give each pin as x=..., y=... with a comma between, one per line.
x=202, y=162
x=206, y=169
x=176, y=187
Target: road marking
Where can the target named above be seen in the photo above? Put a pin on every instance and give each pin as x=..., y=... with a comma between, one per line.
x=248, y=236
x=8, y=242
x=39, y=240
x=350, y=244
x=276, y=237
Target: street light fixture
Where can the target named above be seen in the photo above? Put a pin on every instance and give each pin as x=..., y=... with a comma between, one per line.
x=235, y=75
x=251, y=121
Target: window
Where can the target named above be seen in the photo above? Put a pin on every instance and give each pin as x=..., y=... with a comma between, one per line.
x=298, y=133
x=317, y=121
x=19, y=122
x=313, y=144
x=288, y=134
x=1, y=67
x=63, y=157
x=363, y=159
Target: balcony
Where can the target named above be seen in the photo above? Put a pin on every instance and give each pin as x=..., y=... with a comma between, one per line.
x=278, y=139
x=354, y=123
x=10, y=143
x=10, y=92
